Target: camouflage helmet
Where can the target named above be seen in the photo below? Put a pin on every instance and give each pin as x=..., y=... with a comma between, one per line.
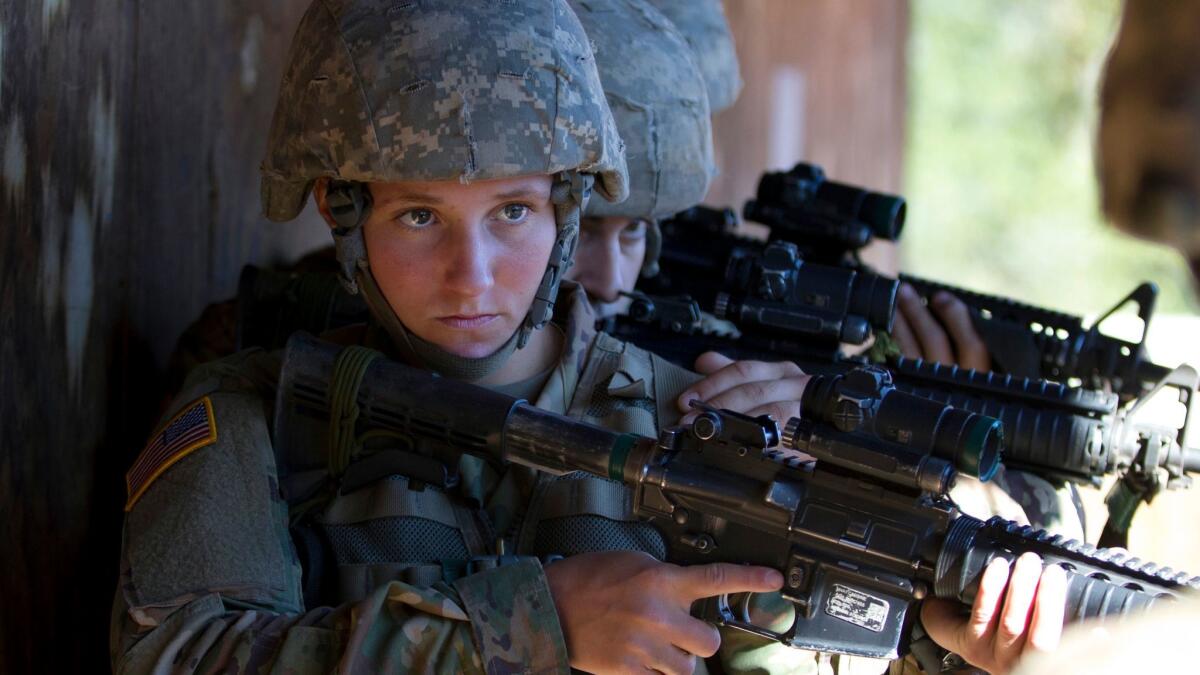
x=703, y=24
x=439, y=90
x=658, y=98
x=388, y=91
x=1147, y=157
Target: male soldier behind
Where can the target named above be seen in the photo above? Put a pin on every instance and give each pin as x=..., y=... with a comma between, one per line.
x=1148, y=165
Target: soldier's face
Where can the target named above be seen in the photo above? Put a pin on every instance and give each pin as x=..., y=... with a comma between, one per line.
x=460, y=263
x=609, y=260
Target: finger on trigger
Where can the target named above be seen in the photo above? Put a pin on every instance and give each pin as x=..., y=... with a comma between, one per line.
x=713, y=579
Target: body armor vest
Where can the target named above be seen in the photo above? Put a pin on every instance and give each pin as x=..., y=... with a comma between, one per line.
x=376, y=524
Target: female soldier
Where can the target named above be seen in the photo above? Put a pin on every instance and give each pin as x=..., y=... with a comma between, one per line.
x=455, y=143
x=449, y=145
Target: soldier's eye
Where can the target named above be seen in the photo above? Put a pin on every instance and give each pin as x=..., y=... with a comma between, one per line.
x=634, y=231
x=514, y=213
x=416, y=218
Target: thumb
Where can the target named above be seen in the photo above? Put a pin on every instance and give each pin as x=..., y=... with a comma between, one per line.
x=710, y=362
x=706, y=581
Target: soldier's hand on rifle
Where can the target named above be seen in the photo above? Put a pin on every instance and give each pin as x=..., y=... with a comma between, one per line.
x=748, y=387
x=941, y=332
x=623, y=611
x=1013, y=613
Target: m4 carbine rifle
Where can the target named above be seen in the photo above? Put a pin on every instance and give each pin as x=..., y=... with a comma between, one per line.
x=860, y=534
x=830, y=222
x=1068, y=433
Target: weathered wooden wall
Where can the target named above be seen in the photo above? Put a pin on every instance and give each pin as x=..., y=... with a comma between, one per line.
x=825, y=82
x=130, y=134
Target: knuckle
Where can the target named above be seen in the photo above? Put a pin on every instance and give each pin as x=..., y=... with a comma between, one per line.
x=656, y=576
x=715, y=575
x=745, y=369
x=758, y=392
x=1011, y=627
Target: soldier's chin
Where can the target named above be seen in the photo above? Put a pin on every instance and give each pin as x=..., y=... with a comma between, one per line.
x=474, y=349
x=604, y=310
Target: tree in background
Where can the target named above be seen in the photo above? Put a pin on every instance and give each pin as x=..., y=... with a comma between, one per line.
x=999, y=173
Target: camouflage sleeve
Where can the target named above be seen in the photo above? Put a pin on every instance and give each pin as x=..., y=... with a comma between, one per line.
x=399, y=628
x=210, y=580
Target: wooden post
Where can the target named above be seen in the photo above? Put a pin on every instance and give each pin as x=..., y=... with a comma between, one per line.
x=130, y=137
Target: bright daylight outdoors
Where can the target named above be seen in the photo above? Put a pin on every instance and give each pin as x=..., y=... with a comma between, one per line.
x=1001, y=188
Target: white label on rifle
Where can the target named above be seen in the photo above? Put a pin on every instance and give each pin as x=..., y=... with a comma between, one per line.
x=858, y=608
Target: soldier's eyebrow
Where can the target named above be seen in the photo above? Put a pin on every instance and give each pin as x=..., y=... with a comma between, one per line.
x=531, y=194
x=417, y=197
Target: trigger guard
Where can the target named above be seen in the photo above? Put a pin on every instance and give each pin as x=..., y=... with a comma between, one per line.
x=726, y=616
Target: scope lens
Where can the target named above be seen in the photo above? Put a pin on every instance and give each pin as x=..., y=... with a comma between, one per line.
x=874, y=297
x=980, y=455
x=885, y=215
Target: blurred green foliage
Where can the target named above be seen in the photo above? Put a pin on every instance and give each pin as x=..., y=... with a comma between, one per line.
x=999, y=176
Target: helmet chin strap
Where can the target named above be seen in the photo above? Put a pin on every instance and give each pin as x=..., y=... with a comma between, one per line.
x=350, y=203
x=653, y=248
x=416, y=350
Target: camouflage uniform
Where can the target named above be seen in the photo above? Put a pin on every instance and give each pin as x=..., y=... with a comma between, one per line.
x=1149, y=176
x=1150, y=124
x=210, y=578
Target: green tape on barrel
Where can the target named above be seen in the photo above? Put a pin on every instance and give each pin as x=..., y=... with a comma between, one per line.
x=618, y=455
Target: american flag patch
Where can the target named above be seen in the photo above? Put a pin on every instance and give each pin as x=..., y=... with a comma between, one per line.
x=192, y=429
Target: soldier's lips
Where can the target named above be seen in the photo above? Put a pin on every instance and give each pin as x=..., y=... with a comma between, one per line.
x=468, y=320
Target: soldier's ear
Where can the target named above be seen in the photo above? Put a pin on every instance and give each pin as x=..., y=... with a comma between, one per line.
x=320, y=193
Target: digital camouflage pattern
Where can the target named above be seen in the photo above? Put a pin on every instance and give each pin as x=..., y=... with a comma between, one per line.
x=703, y=24
x=210, y=579
x=437, y=90
x=441, y=90
x=1147, y=161
x=658, y=99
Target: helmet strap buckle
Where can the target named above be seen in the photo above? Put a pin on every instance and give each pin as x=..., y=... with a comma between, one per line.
x=349, y=205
